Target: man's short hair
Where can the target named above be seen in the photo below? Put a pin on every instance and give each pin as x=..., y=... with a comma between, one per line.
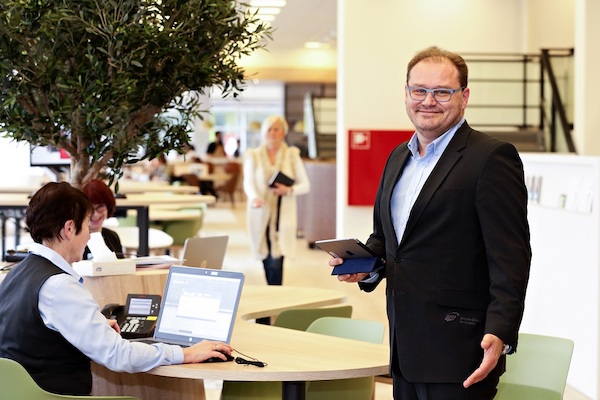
x=435, y=54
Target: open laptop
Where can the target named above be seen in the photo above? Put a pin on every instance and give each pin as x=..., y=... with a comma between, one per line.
x=205, y=252
x=198, y=304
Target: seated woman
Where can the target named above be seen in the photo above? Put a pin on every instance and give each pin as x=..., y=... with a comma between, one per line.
x=49, y=321
x=103, y=200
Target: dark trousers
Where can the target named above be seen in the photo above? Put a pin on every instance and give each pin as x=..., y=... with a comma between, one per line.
x=273, y=265
x=273, y=272
x=404, y=390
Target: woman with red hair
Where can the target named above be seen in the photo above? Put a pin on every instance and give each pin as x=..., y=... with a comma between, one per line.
x=103, y=200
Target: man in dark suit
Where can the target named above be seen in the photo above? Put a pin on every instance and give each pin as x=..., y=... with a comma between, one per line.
x=450, y=219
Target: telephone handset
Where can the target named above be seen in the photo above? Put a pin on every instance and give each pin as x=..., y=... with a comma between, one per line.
x=137, y=318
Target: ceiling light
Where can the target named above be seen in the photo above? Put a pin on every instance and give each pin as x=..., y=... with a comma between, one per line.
x=267, y=3
x=266, y=17
x=316, y=45
x=265, y=10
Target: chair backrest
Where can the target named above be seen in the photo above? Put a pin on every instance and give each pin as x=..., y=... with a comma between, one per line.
x=537, y=370
x=17, y=384
x=300, y=318
x=343, y=389
x=357, y=329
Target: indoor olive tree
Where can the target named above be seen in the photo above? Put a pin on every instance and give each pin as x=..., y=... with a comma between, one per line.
x=96, y=77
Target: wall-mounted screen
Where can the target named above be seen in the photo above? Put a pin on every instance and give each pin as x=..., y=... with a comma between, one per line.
x=49, y=156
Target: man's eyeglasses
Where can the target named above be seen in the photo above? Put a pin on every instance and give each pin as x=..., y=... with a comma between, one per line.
x=418, y=93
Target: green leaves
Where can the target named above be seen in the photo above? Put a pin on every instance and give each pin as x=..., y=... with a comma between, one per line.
x=96, y=77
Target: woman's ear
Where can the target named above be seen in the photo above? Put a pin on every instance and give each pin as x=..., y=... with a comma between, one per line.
x=69, y=229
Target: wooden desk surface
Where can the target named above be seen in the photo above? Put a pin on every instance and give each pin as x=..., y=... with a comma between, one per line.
x=291, y=355
x=132, y=200
x=14, y=199
x=148, y=199
x=127, y=187
x=27, y=189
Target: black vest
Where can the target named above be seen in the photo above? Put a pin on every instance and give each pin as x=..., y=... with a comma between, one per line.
x=52, y=362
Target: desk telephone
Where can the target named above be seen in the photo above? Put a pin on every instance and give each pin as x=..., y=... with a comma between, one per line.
x=137, y=318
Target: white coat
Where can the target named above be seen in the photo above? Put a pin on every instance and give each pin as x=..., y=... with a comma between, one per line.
x=257, y=171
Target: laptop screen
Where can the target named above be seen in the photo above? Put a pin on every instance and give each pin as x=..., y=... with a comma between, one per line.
x=205, y=252
x=199, y=304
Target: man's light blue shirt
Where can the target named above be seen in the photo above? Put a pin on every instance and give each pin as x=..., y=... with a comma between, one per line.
x=414, y=175
x=67, y=307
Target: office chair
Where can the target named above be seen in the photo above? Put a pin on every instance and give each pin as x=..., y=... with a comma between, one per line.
x=230, y=186
x=297, y=319
x=537, y=370
x=301, y=318
x=17, y=384
x=343, y=389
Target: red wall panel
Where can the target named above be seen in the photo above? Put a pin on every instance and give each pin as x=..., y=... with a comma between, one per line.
x=368, y=151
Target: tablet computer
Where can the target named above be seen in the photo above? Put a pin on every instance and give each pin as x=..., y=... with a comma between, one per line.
x=357, y=256
x=345, y=248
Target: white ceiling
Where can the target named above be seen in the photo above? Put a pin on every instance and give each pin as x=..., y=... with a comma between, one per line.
x=301, y=21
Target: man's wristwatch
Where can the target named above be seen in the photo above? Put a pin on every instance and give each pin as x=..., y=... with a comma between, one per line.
x=506, y=349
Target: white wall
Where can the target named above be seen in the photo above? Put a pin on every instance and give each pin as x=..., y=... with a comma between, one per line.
x=376, y=39
x=563, y=293
x=587, y=84
x=14, y=164
x=551, y=24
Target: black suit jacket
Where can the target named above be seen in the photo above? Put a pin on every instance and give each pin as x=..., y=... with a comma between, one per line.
x=462, y=266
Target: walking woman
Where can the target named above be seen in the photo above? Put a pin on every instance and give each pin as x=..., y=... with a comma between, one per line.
x=271, y=211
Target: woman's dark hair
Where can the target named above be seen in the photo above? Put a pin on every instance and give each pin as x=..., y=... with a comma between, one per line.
x=98, y=193
x=52, y=206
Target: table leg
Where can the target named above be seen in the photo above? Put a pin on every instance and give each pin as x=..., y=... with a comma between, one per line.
x=143, y=223
x=17, y=232
x=293, y=390
x=3, y=219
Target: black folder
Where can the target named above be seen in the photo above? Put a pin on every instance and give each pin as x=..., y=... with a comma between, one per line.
x=280, y=177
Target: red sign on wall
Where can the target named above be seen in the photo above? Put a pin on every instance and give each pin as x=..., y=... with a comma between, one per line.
x=368, y=151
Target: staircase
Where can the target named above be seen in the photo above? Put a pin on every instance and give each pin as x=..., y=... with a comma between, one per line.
x=525, y=140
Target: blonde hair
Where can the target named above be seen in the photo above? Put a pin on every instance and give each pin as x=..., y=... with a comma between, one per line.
x=270, y=121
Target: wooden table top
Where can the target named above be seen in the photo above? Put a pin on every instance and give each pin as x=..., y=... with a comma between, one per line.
x=291, y=355
x=128, y=186
x=132, y=200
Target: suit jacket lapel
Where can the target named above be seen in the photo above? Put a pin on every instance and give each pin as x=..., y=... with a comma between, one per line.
x=443, y=167
x=388, y=189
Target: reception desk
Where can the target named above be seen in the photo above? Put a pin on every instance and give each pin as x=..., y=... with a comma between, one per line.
x=293, y=357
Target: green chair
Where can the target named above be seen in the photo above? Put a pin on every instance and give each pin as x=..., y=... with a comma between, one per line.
x=343, y=389
x=298, y=319
x=17, y=384
x=537, y=370
x=301, y=318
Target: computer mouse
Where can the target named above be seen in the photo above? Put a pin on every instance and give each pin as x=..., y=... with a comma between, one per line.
x=217, y=359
